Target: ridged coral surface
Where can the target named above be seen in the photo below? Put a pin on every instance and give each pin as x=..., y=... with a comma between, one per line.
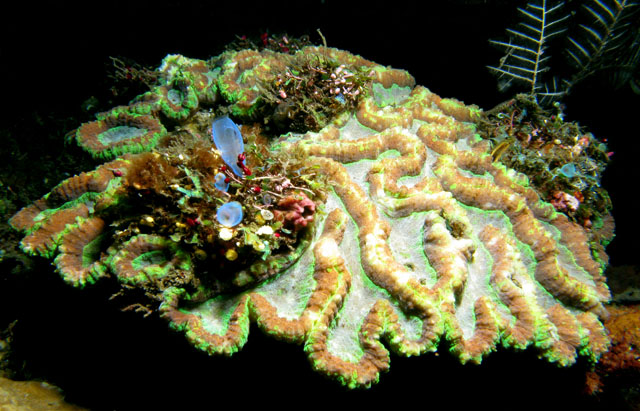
x=423, y=243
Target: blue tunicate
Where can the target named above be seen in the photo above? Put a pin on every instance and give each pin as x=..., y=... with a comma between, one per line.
x=569, y=170
x=267, y=199
x=230, y=214
x=220, y=183
x=228, y=141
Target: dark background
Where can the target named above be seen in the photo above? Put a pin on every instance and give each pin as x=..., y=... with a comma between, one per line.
x=53, y=57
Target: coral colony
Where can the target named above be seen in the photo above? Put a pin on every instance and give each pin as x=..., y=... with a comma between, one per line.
x=335, y=204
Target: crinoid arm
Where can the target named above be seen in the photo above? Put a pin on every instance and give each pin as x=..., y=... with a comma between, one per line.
x=606, y=40
x=526, y=58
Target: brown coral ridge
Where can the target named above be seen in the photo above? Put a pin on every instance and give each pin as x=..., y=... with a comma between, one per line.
x=333, y=279
x=80, y=252
x=79, y=195
x=513, y=199
x=264, y=313
x=119, y=131
x=312, y=327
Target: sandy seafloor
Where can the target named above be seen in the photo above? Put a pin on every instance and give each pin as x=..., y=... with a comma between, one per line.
x=53, y=58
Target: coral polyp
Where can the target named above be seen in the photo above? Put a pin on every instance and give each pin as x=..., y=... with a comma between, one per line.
x=386, y=225
x=119, y=132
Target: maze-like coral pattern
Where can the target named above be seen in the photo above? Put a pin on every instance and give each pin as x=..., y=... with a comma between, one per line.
x=423, y=243
x=424, y=239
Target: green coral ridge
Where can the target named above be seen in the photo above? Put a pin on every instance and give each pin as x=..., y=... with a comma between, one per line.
x=119, y=131
x=146, y=258
x=388, y=227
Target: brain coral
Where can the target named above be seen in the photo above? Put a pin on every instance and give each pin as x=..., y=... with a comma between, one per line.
x=421, y=241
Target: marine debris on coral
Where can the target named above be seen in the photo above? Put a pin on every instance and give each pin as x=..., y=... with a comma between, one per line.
x=281, y=42
x=562, y=161
x=388, y=225
x=310, y=92
x=129, y=76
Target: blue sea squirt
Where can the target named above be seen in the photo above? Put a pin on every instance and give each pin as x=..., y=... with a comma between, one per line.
x=230, y=214
x=228, y=140
x=221, y=183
